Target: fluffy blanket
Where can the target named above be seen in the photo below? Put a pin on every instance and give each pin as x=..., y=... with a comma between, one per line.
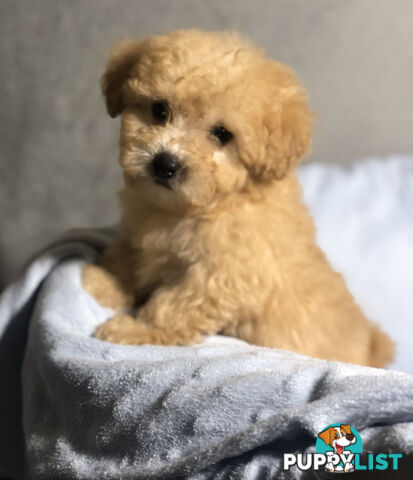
x=75, y=407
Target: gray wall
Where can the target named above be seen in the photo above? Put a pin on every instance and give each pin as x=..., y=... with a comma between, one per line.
x=58, y=148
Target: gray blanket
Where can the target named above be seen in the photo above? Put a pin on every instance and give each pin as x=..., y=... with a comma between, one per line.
x=87, y=409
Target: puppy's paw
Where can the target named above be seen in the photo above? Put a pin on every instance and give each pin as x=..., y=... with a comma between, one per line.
x=118, y=329
x=105, y=288
x=127, y=330
x=348, y=467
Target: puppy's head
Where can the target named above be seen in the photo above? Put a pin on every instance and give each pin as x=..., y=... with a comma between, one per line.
x=338, y=437
x=203, y=114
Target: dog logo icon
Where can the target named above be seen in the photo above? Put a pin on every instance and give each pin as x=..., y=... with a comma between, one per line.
x=339, y=442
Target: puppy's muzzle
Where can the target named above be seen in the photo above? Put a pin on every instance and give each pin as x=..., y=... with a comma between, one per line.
x=165, y=167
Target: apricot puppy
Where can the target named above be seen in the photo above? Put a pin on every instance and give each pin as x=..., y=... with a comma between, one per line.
x=215, y=238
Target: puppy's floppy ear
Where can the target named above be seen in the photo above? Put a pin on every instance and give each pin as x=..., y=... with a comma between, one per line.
x=282, y=137
x=346, y=428
x=289, y=132
x=121, y=61
x=325, y=435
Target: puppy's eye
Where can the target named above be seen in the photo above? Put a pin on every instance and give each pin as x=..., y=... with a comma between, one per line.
x=336, y=435
x=222, y=134
x=161, y=112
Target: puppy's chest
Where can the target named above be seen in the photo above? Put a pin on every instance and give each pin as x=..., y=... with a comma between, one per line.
x=164, y=250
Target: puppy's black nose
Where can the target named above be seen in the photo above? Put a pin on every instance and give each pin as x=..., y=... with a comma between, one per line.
x=165, y=166
x=350, y=437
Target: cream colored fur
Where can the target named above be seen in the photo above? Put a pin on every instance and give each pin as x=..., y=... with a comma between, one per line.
x=230, y=248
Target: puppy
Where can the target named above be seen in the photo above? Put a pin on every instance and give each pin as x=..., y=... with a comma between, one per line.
x=338, y=438
x=214, y=236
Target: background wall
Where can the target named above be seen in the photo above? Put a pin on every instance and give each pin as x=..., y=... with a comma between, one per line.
x=58, y=154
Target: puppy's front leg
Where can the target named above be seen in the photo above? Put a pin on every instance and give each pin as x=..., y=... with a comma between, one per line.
x=110, y=281
x=179, y=314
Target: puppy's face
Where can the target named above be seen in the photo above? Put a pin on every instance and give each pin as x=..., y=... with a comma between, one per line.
x=203, y=114
x=338, y=437
x=175, y=154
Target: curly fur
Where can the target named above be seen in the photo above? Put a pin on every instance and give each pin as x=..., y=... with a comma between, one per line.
x=230, y=248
